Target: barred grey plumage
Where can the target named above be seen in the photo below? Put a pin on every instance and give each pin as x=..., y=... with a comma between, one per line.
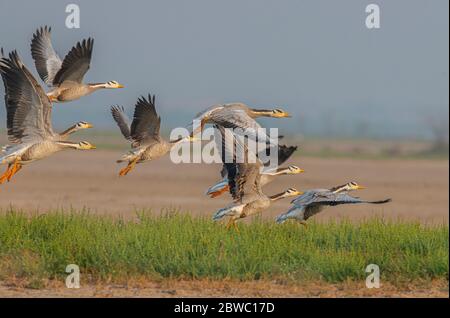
x=143, y=134
x=65, y=77
x=28, y=119
x=314, y=201
x=267, y=176
x=244, y=182
x=237, y=115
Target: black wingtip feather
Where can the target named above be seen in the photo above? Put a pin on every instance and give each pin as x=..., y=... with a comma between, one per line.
x=381, y=201
x=285, y=152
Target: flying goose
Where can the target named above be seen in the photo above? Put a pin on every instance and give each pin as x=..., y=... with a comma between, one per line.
x=144, y=135
x=29, y=125
x=314, y=201
x=284, y=153
x=244, y=181
x=65, y=78
x=236, y=115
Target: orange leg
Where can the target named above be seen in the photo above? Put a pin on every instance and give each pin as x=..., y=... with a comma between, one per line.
x=219, y=192
x=236, y=227
x=5, y=175
x=232, y=223
x=128, y=168
x=15, y=168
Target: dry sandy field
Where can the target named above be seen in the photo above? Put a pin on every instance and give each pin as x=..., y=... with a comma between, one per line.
x=77, y=179
x=205, y=288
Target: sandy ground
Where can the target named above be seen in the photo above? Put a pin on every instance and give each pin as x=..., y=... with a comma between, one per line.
x=77, y=179
x=176, y=288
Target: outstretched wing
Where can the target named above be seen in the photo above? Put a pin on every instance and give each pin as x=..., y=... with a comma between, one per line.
x=76, y=63
x=243, y=174
x=45, y=58
x=118, y=113
x=328, y=198
x=233, y=118
x=284, y=152
x=2, y=55
x=146, y=122
x=28, y=107
x=343, y=198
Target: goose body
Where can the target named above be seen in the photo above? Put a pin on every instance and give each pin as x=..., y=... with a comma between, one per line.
x=65, y=77
x=315, y=201
x=29, y=119
x=144, y=133
x=236, y=116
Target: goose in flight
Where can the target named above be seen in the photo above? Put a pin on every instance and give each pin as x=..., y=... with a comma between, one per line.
x=244, y=183
x=65, y=77
x=235, y=115
x=314, y=201
x=284, y=153
x=146, y=141
x=29, y=122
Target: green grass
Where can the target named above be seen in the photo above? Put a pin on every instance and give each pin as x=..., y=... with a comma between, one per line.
x=180, y=246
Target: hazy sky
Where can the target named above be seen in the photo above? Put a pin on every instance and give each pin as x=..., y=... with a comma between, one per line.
x=314, y=58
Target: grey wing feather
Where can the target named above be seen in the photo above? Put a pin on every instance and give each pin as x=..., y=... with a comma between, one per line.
x=343, y=198
x=146, y=122
x=284, y=153
x=118, y=113
x=309, y=196
x=313, y=201
x=247, y=180
x=2, y=55
x=293, y=213
x=28, y=107
x=47, y=61
x=243, y=176
x=234, y=118
x=244, y=126
x=76, y=63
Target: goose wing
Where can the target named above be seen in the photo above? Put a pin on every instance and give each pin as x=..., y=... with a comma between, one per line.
x=333, y=199
x=146, y=122
x=233, y=118
x=243, y=173
x=285, y=152
x=47, y=61
x=118, y=113
x=75, y=64
x=2, y=55
x=28, y=107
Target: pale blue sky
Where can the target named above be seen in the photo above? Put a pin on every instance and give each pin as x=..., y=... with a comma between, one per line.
x=315, y=58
